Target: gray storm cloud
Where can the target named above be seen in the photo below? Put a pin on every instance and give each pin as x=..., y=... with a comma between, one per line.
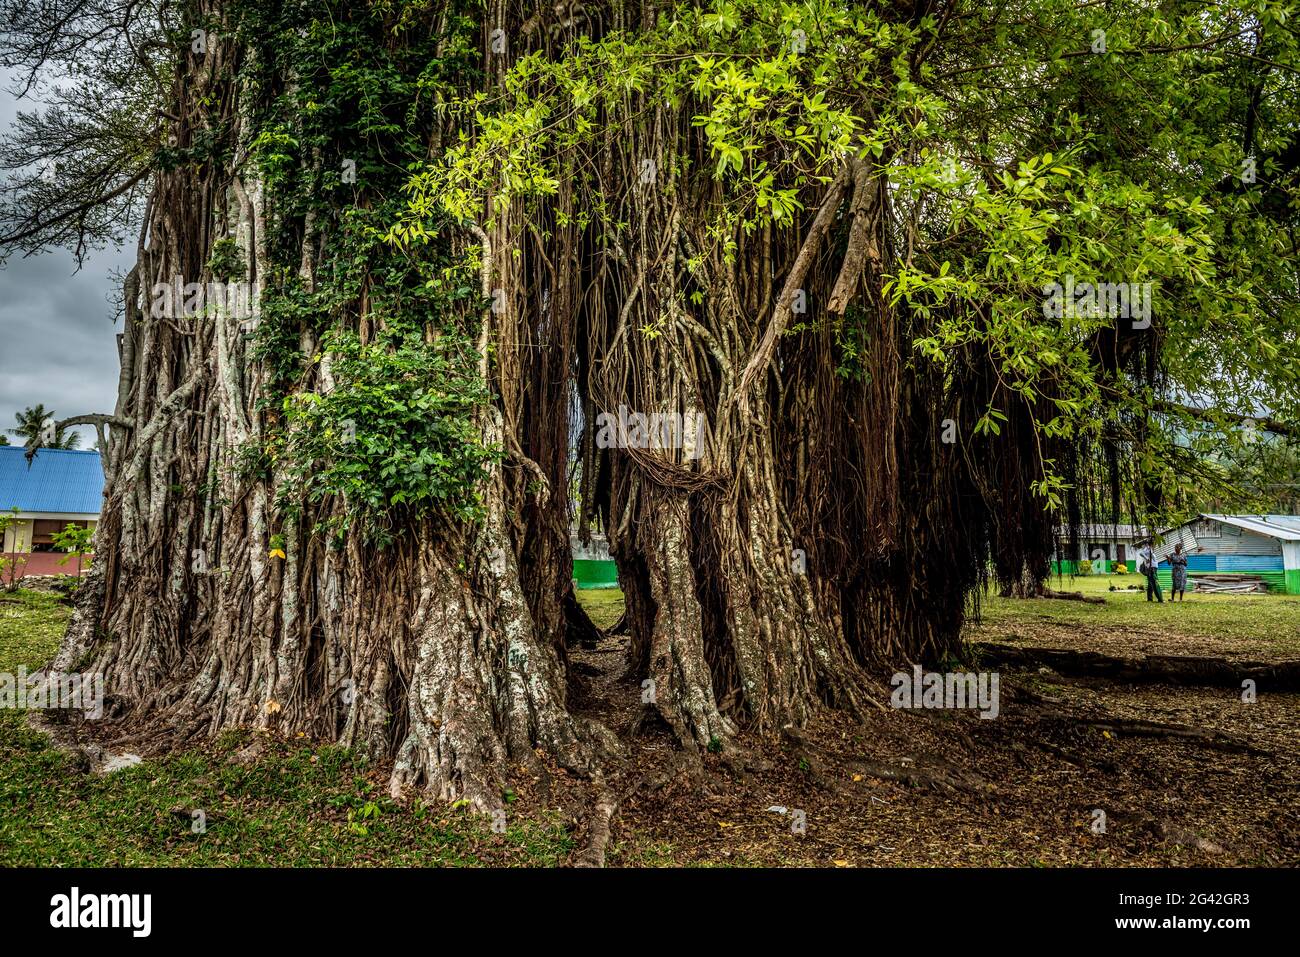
x=57, y=330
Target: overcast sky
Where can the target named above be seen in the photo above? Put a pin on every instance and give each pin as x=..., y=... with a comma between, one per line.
x=57, y=331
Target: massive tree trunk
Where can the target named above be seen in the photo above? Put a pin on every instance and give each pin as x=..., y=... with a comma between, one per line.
x=820, y=528
x=216, y=600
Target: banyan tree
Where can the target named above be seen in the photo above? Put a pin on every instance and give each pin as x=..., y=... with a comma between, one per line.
x=400, y=265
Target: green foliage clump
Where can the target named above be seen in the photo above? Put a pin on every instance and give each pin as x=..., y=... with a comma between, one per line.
x=74, y=540
x=396, y=432
x=227, y=261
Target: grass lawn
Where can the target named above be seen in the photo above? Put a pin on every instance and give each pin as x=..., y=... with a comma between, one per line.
x=297, y=805
x=1264, y=625
x=604, y=606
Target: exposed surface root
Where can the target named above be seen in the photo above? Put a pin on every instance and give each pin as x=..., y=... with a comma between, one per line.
x=579, y=628
x=1072, y=596
x=599, y=827
x=1172, y=732
x=920, y=770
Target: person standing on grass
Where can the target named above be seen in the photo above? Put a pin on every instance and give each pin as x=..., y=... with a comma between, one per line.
x=1178, y=586
x=1148, y=567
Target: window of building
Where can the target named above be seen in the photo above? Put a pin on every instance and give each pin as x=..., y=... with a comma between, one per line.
x=44, y=530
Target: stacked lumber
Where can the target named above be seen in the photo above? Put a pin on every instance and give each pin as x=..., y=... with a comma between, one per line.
x=1211, y=584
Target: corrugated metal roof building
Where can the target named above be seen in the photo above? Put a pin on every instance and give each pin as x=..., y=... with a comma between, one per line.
x=57, y=488
x=1262, y=546
x=593, y=566
x=1104, y=546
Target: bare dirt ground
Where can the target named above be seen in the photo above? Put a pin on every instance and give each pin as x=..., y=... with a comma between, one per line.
x=1072, y=772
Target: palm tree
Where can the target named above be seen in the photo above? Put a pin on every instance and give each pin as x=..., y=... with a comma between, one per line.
x=33, y=422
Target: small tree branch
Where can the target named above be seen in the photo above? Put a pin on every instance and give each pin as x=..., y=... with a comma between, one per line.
x=861, y=243
x=37, y=226
x=96, y=419
x=1214, y=415
x=784, y=308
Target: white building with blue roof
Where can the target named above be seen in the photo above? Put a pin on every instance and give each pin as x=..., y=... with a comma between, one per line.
x=57, y=488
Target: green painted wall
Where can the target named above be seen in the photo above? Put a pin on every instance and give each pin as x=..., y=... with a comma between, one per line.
x=1071, y=567
x=594, y=574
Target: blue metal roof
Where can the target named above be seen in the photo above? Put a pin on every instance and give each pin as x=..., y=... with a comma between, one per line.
x=59, y=480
